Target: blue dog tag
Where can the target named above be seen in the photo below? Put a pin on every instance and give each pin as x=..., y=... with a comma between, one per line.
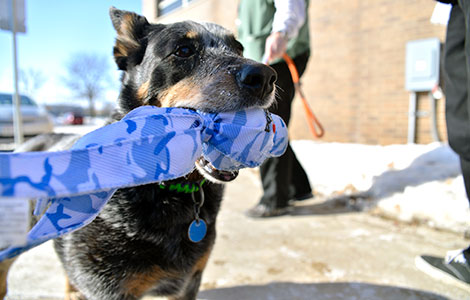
x=197, y=231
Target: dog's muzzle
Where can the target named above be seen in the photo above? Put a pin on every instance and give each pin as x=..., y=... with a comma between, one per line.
x=257, y=78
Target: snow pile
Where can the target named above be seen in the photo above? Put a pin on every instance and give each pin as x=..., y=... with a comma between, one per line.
x=408, y=182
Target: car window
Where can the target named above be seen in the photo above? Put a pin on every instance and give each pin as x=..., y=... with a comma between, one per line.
x=27, y=101
x=7, y=99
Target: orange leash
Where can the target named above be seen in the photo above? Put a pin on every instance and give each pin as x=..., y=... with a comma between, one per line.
x=315, y=126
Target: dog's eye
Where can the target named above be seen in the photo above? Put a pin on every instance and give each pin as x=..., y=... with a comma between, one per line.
x=184, y=51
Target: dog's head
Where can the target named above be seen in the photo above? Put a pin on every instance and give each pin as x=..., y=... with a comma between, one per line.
x=187, y=64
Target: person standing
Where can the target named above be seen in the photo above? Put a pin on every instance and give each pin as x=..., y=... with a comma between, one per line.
x=455, y=267
x=267, y=29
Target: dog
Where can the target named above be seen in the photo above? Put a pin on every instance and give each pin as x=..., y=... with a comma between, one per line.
x=138, y=244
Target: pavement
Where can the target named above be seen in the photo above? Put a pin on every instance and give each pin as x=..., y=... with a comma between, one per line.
x=325, y=249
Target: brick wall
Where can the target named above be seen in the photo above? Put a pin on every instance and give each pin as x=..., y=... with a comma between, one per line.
x=356, y=74
x=355, y=79
x=222, y=12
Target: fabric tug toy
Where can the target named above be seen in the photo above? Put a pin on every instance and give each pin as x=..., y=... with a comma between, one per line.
x=150, y=144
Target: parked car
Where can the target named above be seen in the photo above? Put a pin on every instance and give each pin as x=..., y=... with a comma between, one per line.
x=35, y=118
x=74, y=118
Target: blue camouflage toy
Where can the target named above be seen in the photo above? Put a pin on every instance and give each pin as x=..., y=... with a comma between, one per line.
x=150, y=144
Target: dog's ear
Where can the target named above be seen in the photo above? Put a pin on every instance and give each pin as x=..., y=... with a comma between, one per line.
x=131, y=31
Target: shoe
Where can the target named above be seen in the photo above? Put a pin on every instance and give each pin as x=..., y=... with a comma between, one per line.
x=302, y=197
x=454, y=269
x=263, y=211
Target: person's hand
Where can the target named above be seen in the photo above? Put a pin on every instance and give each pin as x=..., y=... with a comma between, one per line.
x=276, y=45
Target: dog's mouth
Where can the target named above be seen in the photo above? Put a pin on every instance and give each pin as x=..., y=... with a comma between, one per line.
x=208, y=171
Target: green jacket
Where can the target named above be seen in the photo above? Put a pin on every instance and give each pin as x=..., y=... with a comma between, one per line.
x=256, y=18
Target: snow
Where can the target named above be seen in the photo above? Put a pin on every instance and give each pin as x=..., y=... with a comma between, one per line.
x=408, y=182
x=90, y=124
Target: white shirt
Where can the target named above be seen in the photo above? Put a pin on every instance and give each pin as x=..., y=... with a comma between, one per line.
x=289, y=17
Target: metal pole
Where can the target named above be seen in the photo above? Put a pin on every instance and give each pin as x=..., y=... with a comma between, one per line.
x=412, y=118
x=434, y=131
x=17, y=120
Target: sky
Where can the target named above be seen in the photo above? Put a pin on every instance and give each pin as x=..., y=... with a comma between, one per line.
x=55, y=31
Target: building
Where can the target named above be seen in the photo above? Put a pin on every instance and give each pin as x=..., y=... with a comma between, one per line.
x=355, y=80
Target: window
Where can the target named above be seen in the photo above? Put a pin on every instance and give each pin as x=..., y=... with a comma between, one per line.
x=7, y=99
x=165, y=7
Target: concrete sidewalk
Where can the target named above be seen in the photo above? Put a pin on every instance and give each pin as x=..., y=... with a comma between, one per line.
x=324, y=250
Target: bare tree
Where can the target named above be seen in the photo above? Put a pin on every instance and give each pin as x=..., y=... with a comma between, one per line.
x=88, y=76
x=31, y=80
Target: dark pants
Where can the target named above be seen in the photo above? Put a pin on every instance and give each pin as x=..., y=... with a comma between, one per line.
x=457, y=85
x=283, y=177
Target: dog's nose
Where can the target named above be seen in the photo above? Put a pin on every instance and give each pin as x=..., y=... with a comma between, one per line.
x=259, y=79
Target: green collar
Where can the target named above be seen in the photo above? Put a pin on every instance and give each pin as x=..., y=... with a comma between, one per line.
x=187, y=188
